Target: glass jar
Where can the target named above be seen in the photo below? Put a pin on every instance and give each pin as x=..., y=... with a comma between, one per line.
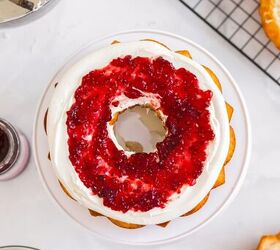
x=14, y=151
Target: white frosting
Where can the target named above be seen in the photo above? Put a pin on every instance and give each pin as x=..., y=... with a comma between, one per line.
x=57, y=132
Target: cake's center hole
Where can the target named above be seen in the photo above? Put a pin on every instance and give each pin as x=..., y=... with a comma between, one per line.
x=139, y=129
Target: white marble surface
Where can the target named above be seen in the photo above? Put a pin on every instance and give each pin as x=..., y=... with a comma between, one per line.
x=31, y=53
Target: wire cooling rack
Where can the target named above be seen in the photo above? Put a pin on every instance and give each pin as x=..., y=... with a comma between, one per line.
x=238, y=22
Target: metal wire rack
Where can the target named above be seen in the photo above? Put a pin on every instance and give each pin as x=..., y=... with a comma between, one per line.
x=238, y=22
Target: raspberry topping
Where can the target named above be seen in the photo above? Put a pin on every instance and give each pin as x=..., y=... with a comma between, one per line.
x=141, y=181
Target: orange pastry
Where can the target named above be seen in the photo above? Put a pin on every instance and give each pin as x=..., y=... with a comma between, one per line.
x=270, y=17
x=269, y=242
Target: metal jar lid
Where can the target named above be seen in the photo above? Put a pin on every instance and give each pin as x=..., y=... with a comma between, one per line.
x=11, y=138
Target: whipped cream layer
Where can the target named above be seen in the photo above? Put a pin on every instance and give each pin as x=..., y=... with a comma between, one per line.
x=63, y=99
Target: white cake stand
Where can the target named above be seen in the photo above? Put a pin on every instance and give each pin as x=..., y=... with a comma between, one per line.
x=180, y=227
